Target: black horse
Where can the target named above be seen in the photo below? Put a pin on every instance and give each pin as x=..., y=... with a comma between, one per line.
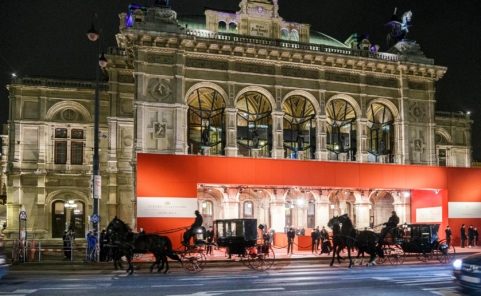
x=345, y=236
x=126, y=243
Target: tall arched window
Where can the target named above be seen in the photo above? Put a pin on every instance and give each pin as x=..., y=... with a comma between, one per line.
x=341, y=129
x=232, y=27
x=248, y=209
x=208, y=212
x=442, y=144
x=311, y=214
x=206, y=121
x=289, y=209
x=380, y=133
x=222, y=26
x=299, y=128
x=254, y=124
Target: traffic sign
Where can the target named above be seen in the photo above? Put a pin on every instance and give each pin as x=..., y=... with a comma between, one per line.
x=95, y=218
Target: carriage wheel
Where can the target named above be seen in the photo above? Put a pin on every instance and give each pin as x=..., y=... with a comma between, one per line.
x=386, y=251
x=447, y=255
x=396, y=255
x=194, y=261
x=261, y=261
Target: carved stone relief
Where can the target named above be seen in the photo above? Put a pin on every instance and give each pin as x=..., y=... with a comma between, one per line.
x=159, y=130
x=417, y=112
x=160, y=90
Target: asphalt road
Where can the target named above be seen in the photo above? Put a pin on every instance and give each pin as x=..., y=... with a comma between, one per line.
x=294, y=278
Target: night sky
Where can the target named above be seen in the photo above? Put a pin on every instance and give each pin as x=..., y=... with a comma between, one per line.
x=43, y=38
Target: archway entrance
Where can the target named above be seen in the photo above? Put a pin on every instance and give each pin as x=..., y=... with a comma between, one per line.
x=68, y=215
x=383, y=205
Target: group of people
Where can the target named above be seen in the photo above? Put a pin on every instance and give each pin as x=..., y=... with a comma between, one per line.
x=471, y=237
x=319, y=238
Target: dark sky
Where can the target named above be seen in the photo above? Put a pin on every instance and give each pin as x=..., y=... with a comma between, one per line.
x=47, y=38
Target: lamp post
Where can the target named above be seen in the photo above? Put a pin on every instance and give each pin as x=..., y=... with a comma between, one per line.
x=93, y=35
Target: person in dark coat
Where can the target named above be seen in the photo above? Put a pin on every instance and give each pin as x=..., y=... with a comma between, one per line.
x=291, y=234
x=390, y=225
x=197, y=223
x=470, y=236
x=448, y=235
x=476, y=235
x=67, y=245
x=210, y=238
x=315, y=240
x=463, y=235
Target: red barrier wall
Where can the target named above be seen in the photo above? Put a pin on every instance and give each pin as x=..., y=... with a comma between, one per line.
x=178, y=175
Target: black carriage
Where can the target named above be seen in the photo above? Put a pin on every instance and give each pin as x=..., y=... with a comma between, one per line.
x=240, y=238
x=419, y=239
x=194, y=256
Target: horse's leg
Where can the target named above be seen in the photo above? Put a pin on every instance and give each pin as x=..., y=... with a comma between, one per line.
x=164, y=258
x=349, y=255
x=334, y=246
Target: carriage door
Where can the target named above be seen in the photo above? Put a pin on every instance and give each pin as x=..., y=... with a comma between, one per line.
x=58, y=219
x=208, y=212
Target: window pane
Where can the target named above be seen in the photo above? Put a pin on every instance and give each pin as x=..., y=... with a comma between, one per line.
x=248, y=209
x=207, y=208
x=77, y=134
x=61, y=133
x=59, y=208
x=76, y=153
x=60, y=152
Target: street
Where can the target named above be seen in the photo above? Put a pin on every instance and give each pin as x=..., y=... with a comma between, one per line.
x=286, y=278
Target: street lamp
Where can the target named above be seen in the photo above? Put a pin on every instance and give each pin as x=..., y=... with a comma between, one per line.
x=93, y=35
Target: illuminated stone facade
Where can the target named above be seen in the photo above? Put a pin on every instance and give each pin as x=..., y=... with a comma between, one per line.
x=247, y=84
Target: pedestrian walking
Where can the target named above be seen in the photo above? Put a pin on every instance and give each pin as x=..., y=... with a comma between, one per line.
x=463, y=235
x=470, y=236
x=67, y=245
x=448, y=235
x=104, y=240
x=91, y=245
x=314, y=240
x=291, y=234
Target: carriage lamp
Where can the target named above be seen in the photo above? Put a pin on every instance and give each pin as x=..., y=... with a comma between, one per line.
x=457, y=264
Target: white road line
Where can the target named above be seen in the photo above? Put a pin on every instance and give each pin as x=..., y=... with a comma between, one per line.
x=19, y=292
x=212, y=293
x=169, y=286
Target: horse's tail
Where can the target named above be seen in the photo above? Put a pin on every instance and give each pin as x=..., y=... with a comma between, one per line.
x=169, y=250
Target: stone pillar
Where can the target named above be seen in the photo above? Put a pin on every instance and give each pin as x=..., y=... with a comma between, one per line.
x=361, y=208
x=231, y=132
x=321, y=138
x=278, y=210
x=322, y=208
x=277, y=135
x=361, y=155
x=230, y=204
x=402, y=206
x=180, y=129
x=398, y=143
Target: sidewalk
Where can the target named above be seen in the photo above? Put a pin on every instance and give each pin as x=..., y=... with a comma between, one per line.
x=219, y=258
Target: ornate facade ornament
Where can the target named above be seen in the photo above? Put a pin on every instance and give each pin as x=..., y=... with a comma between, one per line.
x=160, y=90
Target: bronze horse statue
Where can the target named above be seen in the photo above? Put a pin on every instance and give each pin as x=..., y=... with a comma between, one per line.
x=126, y=243
x=346, y=236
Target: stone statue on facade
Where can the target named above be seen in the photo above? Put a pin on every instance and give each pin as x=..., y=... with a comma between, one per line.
x=399, y=27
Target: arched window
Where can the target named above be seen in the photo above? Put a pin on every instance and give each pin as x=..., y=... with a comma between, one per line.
x=299, y=128
x=232, y=27
x=294, y=35
x=222, y=26
x=208, y=212
x=248, y=209
x=441, y=143
x=206, y=121
x=380, y=133
x=284, y=34
x=341, y=129
x=254, y=125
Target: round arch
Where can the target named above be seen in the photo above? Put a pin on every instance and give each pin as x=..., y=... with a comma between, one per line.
x=55, y=221
x=444, y=133
x=52, y=111
x=260, y=90
x=394, y=110
x=305, y=94
x=211, y=85
x=349, y=99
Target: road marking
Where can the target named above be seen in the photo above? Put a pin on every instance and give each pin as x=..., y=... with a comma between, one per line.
x=214, y=293
x=185, y=285
x=451, y=291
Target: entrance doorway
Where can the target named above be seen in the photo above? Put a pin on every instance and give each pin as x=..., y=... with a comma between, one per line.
x=68, y=215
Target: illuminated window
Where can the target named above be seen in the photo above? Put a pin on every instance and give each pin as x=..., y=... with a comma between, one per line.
x=248, y=209
x=380, y=132
x=254, y=124
x=206, y=121
x=299, y=128
x=341, y=129
x=69, y=146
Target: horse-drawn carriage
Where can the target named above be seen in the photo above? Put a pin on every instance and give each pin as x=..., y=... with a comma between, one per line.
x=240, y=238
x=419, y=239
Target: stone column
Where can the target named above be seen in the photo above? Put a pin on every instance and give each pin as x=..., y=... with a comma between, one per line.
x=230, y=204
x=398, y=143
x=278, y=210
x=180, y=129
x=321, y=138
x=361, y=155
x=277, y=135
x=231, y=132
x=322, y=208
x=361, y=207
